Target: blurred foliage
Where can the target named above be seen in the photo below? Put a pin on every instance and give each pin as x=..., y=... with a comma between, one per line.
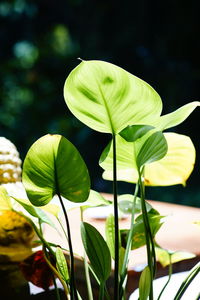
x=39, y=45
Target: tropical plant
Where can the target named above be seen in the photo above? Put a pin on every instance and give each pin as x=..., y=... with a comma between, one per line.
x=110, y=100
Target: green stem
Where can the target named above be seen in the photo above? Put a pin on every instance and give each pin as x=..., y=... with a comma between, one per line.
x=129, y=241
x=61, y=225
x=73, y=290
x=169, y=277
x=147, y=233
x=116, y=270
x=56, y=289
x=58, y=275
x=193, y=273
x=101, y=292
x=87, y=275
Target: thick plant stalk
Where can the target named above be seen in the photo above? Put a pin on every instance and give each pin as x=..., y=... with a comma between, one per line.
x=116, y=271
x=73, y=290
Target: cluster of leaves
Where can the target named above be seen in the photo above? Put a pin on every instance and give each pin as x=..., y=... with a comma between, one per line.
x=110, y=100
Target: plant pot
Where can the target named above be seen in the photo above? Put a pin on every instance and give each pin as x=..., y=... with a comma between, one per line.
x=192, y=292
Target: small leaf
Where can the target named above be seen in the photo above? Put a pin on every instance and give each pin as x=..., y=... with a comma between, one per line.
x=133, y=132
x=145, y=284
x=61, y=264
x=105, y=152
x=154, y=148
x=125, y=204
x=162, y=255
x=97, y=251
x=35, y=211
x=5, y=203
x=155, y=221
x=95, y=199
x=54, y=166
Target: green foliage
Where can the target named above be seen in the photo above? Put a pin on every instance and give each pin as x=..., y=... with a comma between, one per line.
x=125, y=203
x=107, y=98
x=155, y=221
x=154, y=148
x=54, y=166
x=134, y=132
x=97, y=251
x=61, y=264
x=144, y=284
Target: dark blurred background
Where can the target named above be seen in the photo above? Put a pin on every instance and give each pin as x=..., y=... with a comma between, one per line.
x=40, y=41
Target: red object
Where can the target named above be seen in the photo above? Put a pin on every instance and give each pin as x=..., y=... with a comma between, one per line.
x=36, y=270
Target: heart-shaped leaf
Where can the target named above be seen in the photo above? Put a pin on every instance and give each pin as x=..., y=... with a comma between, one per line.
x=174, y=168
x=97, y=251
x=54, y=166
x=107, y=98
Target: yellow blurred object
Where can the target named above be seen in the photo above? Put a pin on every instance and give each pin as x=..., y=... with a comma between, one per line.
x=10, y=163
x=16, y=236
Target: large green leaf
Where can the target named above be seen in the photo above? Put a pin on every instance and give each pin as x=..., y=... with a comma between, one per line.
x=54, y=166
x=97, y=251
x=110, y=235
x=174, y=168
x=107, y=98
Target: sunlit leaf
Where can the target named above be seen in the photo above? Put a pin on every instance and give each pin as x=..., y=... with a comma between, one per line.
x=5, y=203
x=35, y=211
x=61, y=264
x=97, y=251
x=95, y=199
x=162, y=255
x=176, y=117
x=154, y=148
x=52, y=209
x=133, y=132
x=145, y=283
x=105, y=152
x=107, y=98
x=174, y=168
x=54, y=166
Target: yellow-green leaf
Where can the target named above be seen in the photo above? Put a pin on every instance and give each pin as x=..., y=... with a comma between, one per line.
x=174, y=168
x=5, y=203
